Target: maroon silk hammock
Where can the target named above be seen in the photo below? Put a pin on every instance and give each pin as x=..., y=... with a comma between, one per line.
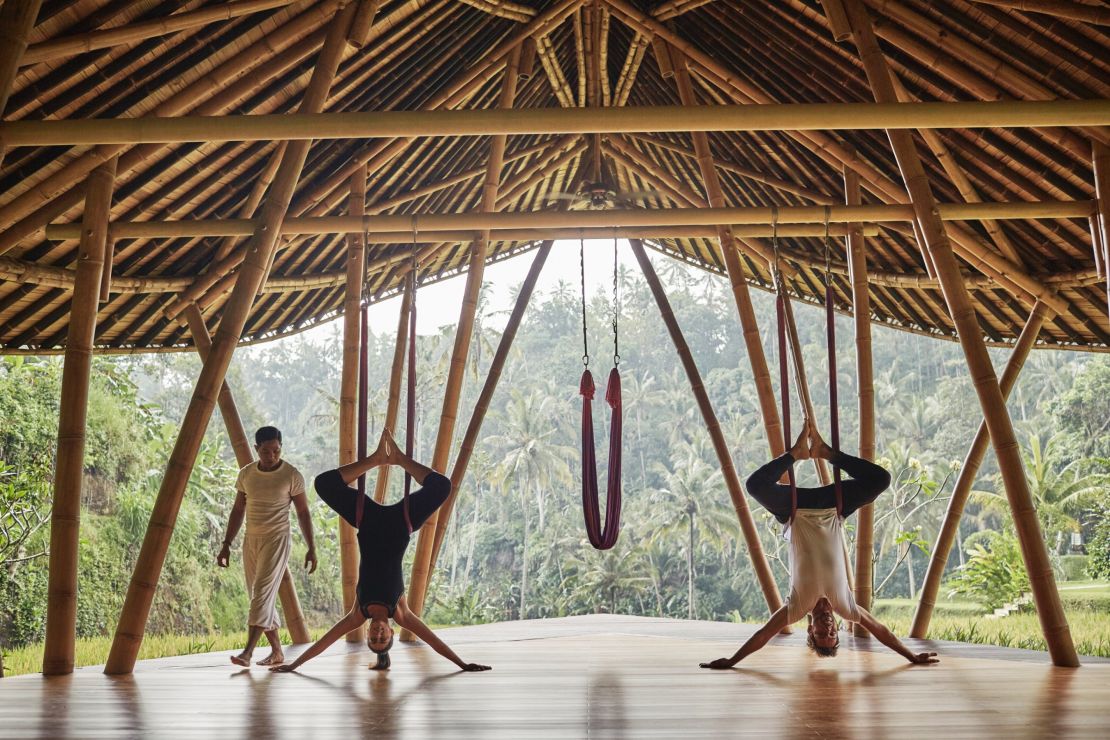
x=600, y=537
x=363, y=404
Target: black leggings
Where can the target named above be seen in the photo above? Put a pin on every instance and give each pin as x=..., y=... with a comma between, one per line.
x=344, y=500
x=867, y=482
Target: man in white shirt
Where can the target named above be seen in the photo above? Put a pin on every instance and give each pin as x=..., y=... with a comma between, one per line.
x=819, y=583
x=264, y=492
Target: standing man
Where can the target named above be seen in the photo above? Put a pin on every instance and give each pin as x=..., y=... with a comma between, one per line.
x=264, y=491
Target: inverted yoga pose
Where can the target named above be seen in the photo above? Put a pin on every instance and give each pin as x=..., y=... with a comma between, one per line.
x=819, y=586
x=383, y=536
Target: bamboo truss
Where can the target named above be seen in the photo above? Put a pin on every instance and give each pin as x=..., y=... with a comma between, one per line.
x=1049, y=610
x=140, y=592
x=1100, y=164
x=16, y=21
x=720, y=445
x=494, y=122
x=65, y=517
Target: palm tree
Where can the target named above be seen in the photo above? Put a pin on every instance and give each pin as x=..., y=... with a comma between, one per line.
x=1059, y=491
x=688, y=484
x=531, y=460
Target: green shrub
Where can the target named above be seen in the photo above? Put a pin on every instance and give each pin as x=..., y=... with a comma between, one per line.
x=1098, y=547
x=994, y=572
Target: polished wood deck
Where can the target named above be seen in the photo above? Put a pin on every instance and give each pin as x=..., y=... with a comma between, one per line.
x=593, y=676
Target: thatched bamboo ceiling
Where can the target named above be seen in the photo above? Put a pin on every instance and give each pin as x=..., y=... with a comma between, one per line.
x=419, y=53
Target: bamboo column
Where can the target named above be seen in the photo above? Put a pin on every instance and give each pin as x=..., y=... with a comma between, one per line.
x=244, y=455
x=715, y=198
x=500, y=355
x=140, y=592
x=1047, y=599
x=394, y=401
x=348, y=386
x=966, y=479
x=17, y=18
x=421, y=566
x=720, y=446
x=69, y=466
x=865, y=384
x=1100, y=164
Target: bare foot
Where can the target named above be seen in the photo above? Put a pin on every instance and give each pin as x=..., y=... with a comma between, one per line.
x=243, y=659
x=273, y=658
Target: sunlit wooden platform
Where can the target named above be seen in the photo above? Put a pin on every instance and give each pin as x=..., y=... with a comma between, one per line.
x=590, y=676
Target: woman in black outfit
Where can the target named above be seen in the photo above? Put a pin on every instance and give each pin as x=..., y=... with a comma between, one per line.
x=383, y=538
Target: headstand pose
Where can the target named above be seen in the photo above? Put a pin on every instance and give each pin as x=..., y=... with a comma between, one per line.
x=819, y=584
x=382, y=540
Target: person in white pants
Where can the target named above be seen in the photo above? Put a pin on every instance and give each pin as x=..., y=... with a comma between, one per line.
x=264, y=492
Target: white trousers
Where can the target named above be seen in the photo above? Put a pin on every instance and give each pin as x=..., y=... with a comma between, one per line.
x=264, y=560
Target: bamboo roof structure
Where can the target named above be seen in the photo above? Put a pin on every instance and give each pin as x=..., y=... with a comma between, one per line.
x=100, y=59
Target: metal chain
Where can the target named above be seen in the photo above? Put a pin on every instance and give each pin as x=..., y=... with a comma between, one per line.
x=582, y=271
x=616, y=307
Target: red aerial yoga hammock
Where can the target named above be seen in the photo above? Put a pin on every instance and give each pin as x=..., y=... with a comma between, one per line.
x=601, y=538
x=410, y=402
x=784, y=373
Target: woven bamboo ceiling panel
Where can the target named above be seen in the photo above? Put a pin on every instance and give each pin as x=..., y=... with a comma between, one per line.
x=251, y=57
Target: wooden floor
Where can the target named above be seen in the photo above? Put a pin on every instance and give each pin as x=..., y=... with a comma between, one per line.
x=595, y=676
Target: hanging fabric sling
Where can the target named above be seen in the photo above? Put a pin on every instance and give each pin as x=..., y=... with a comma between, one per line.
x=410, y=403
x=784, y=372
x=600, y=537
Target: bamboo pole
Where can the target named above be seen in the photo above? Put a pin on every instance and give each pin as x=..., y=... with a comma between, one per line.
x=838, y=21
x=394, y=401
x=1059, y=8
x=966, y=479
x=495, y=122
x=1049, y=610
x=865, y=384
x=422, y=562
x=400, y=225
x=714, y=197
x=140, y=592
x=17, y=18
x=69, y=466
x=474, y=427
x=675, y=8
x=960, y=179
x=244, y=455
x=348, y=387
x=720, y=446
x=359, y=34
x=77, y=44
x=1100, y=165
